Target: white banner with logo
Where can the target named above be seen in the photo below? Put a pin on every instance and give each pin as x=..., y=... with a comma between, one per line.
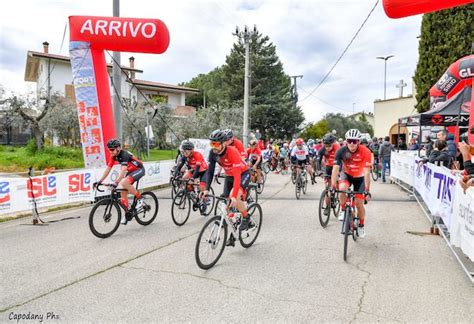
x=462, y=222
x=403, y=167
x=436, y=185
x=17, y=194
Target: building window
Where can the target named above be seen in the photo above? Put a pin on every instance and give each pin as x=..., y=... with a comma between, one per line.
x=69, y=91
x=158, y=98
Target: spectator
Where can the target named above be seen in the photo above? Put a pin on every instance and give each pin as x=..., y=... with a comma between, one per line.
x=414, y=145
x=439, y=155
x=402, y=145
x=385, y=151
x=467, y=152
x=451, y=146
x=429, y=145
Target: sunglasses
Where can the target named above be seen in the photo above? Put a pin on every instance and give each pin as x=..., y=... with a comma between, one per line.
x=215, y=145
x=352, y=141
x=112, y=149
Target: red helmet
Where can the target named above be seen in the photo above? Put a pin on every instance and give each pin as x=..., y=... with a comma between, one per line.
x=299, y=141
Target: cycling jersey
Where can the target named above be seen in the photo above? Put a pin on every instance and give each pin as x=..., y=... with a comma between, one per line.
x=328, y=155
x=236, y=143
x=233, y=165
x=276, y=149
x=195, y=161
x=353, y=163
x=254, y=153
x=311, y=151
x=300, y=154
x=126, y=158
x=283, y=153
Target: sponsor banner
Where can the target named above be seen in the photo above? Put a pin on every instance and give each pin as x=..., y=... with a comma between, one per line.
x=16, y=194
x=436, y=185
x=462, y=223
x=403, y=167
x=90, y=124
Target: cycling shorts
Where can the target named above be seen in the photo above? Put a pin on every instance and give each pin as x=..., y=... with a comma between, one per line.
x=358, y=183
x=135, y=175
x=229, y=183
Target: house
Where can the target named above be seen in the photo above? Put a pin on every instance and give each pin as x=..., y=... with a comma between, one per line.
x=52, y=71
x=369, y=117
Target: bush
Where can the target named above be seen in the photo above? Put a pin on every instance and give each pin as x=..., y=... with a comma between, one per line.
x=31, y=147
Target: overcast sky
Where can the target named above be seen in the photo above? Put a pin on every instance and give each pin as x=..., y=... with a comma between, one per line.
x=309, y=37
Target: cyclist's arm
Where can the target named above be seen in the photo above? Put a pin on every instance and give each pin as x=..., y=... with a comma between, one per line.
x=196, y=170
x=210, y=170
x=334, y=175
x=367, y=179
x=179, y=166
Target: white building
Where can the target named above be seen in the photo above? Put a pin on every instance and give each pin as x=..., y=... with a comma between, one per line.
x=51, y=71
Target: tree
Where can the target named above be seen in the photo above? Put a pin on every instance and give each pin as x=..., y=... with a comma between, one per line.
x=32, y=110
x=211, y=87
x=272, y=108
x=446, y=36
x=62, y=122
x=317, y=130
x=342, y=124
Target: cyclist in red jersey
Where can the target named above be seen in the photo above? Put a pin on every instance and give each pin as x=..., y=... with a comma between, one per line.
x=327, y=153
x=355, y=161
x=131, y=171
x=195, y=164
x=235, y=142
x=255, y=158
x=237, y=175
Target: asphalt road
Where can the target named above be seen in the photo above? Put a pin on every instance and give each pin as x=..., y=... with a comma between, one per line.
x=294, y=272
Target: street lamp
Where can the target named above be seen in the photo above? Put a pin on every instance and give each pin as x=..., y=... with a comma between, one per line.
x=385, y=74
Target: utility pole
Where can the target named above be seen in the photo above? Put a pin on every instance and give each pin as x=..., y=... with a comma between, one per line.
x=246, y=34
x=295, y=91
x=353, y=107
x=117, y=77
x=385, y=74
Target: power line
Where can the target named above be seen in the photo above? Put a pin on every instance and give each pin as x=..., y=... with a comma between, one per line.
x=343, y=52
x=324, y=101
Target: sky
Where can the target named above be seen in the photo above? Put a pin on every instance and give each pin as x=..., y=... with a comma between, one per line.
x=309, y=37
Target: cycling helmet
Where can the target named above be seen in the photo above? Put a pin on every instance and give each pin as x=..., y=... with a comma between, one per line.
x=353, y=134
x=113, y=143
x=329, y=139
x=229, y=133
x=218, y=136
x=374, y=139
x=253, y=142
x=299, y=141
x=187, y=145
x=310, y=141
x=285, y=144
x=364, y=141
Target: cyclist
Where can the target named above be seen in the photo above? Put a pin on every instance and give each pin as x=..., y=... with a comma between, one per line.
x=374, y=147
x=131, y=171
x=255, y=158
x=283, y=157
x=195, y=163
x=237, y=175
x=327, y=153
x=353, y=160
x=235, y=142
x=312, y=157
x=299, y=155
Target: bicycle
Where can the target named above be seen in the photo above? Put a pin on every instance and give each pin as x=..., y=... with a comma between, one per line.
x=212, y=239
x=175, y=182
x=301, y=182
x=145, y=215
x=187, y=197
x=328, y=200
x=350, y=224
x=254, y=180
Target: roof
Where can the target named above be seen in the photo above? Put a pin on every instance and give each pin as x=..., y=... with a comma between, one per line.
x=32, y=64
x=163, y=86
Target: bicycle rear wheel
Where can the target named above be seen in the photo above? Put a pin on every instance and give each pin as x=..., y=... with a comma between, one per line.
x=335, y=204
x=210, y=243
x=324, y=206
x=147, y=214
x=305, y=183
x=104, y=218
x=346, y=230
x=180, y=208
x=248, y=237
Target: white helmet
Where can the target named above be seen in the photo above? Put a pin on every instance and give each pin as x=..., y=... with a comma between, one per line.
x=353, y=134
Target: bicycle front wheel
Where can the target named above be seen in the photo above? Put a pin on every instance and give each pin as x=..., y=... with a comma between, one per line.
x=324, y=208
x=298, y=187
x=104, y=218
x=347, y=230
x=180, y=208
x=252, y=195
x=374, y=174
x=249, y=236
x=147, y=213
x=207, y=205
x=211, y=243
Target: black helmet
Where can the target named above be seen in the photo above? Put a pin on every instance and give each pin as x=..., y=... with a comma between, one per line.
x=329, y=139
x=364, y=141
x=218, y=136
x=113, y=143
x=229, y=133
x=187, y=145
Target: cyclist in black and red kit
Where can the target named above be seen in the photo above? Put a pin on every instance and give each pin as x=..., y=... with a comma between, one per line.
x=131, y=171
x=327, y=153
x=237, y=174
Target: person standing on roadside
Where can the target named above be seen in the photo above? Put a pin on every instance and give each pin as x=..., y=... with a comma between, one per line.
x=385, y=151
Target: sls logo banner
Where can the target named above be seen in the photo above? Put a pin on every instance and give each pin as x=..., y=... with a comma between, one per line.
x=43, y=188
x=4, y=195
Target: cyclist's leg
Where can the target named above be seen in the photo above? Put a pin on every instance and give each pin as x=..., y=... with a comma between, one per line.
x=259, y=171
x=359, y=187
x=327, y=180
x=343, y=184
x=128, y=181
x=202, y=180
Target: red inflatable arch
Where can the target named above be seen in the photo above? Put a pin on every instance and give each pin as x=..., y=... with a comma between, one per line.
x=404, y=8
x=89, y=37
